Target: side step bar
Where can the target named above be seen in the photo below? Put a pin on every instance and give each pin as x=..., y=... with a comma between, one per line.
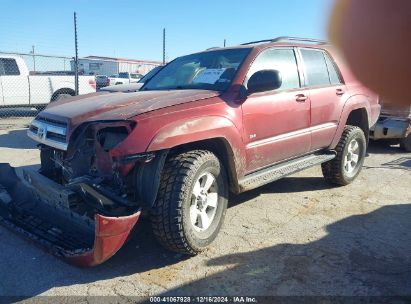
x=273, y=173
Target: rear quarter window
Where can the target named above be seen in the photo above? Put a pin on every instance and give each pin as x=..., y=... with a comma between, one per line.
x=332, y=70
x=8, y=66
x=315, y=67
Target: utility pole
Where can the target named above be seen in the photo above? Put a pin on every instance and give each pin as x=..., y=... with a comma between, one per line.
x=76, y=55
x=164, y=46
x=34, y=58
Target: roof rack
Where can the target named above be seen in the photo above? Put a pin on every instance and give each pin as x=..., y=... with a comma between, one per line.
x=286, y=39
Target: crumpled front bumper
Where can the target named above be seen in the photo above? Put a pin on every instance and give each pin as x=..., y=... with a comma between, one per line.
x=35, y=207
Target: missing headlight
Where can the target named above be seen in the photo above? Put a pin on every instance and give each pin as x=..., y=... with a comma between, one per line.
x=110, y=137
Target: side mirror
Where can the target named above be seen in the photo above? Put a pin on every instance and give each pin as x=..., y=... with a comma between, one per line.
x=265, y=80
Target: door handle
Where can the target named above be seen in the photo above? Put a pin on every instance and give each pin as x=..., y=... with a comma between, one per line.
x=339, y=92
x=301, y=98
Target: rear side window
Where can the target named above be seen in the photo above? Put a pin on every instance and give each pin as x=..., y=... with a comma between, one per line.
x=9, y=67
x=316, y=72
x=334, y=76
x=282, y=60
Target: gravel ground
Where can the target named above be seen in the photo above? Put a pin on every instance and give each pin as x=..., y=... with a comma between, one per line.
x=297, y=236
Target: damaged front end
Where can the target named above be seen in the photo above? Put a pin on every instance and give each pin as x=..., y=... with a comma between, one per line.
x=83, y=203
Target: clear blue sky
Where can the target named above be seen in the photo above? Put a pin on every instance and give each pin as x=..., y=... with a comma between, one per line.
x=133, y=29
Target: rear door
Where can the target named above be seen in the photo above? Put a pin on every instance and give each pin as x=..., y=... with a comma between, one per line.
x=276, y=123
x=15, y=85
x=327, y=91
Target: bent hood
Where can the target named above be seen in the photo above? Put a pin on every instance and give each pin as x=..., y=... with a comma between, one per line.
x=118, y=105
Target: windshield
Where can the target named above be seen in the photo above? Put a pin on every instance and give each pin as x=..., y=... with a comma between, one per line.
x=150, y=74
x=212, y=70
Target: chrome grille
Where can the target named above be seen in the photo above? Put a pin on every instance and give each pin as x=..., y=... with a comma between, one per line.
x=49, y=132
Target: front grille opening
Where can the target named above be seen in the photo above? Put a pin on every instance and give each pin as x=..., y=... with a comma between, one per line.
x=56, y=137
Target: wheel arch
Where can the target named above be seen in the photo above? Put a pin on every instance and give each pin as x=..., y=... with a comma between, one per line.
x=62, y=91
x=356, y=112
x=359, y=118
x=224, y=152
x=147, y=175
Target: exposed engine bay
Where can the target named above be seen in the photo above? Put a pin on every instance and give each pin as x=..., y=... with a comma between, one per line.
x=88, y=170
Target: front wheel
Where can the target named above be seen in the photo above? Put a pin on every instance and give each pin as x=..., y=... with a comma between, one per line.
x=191, y=203
x=61, y=96
x=346, y=166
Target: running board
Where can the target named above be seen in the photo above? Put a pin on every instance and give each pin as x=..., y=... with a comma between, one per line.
x=273, y=173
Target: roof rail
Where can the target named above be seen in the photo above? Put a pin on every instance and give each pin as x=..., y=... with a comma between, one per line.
x=286, y=39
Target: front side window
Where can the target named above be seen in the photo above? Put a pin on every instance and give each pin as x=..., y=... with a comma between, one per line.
x=316, y=72
x=282, y=60
x=212, y=70
x=9, y=66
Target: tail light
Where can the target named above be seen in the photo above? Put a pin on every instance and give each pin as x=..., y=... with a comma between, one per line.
x=92, y=83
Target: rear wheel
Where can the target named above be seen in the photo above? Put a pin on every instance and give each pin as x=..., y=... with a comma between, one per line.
x=191, y=203
x=406, y=141
x=346, y=166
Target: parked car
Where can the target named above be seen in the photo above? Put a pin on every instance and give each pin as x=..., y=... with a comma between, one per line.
x=394, y=125
x=19, y=88
x=135, y=86
x=102, y=81
x=124, y=78
x=219, y=121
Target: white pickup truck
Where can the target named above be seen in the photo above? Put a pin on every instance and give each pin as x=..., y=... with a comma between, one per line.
x=19, y=88
x=124, y=78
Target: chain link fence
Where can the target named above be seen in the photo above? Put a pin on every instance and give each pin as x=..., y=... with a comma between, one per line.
x=29, y=82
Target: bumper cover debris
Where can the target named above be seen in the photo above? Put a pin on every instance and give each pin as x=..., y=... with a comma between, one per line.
x=39, y=208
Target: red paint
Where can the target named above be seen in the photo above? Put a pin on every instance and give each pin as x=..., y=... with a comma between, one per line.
x=111, y=234
x=259, y=130
x=262, y=129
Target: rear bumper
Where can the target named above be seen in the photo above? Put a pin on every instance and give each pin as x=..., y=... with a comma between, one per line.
x=35, y=208
x=390, y=128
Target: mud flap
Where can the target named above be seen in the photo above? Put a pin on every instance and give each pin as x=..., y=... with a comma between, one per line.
x=38, y=208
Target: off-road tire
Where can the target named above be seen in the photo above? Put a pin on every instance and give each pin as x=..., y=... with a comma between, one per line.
x=333, y=170
x=170, y=216
x=406, y=141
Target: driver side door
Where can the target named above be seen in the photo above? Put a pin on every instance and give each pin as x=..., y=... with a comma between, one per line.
x=276, y=124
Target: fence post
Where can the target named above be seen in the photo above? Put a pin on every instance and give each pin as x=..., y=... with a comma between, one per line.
x=76, y=56
x=164, y=46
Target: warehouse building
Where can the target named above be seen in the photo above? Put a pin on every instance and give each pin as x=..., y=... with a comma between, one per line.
x=97, y=65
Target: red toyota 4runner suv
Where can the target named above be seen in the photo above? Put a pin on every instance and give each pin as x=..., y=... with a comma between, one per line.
x=226, y=119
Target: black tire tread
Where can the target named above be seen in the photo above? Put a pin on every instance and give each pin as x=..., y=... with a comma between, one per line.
x=166, y=215
x=332, y=169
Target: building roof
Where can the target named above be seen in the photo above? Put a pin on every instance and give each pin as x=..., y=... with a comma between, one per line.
x=121, y=59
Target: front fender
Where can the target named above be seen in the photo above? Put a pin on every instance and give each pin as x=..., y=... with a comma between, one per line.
x=198, y=129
